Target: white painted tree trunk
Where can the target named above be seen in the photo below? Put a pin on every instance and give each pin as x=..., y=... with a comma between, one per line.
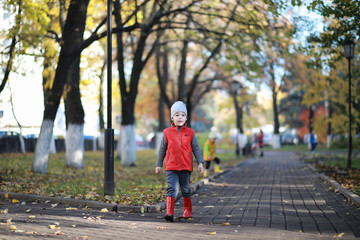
x=43, y=146
x=241, y=143
x=101, y=141
x=276, y=141
x=127, y=145
x=328, y=142
x=22, y=144
x=74, y=144
x=52, y=146
x=159, y=136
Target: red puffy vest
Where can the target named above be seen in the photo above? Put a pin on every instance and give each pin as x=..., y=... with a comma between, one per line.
x=179, y=154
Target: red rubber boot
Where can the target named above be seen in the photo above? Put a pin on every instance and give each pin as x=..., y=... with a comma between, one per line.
x=170, y=204
x=187, y=208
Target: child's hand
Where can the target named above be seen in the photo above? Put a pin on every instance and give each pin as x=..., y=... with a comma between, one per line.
x=201, y=168
x=157, y=170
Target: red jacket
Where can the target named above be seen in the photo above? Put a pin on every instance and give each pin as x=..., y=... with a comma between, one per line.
x=179, y=154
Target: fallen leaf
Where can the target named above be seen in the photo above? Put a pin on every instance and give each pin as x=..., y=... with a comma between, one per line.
x=4, y=211
x=23, y=203
x=54, y=205
x=225, y=224
x=15, y=201
x=142, y=209
x=74, y=226
x=28, y=210
x=104, y=210
x=31, y=216
x=47, y=201
x=52, y=226
x=211, y=233
x=229, y=216
x=339, y=235
x=6, y=195
x=13, y=227
x=71, y=209
x=33, y=232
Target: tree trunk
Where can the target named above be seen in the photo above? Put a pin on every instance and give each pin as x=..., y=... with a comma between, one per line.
x=73, y=32
x=74, y=112
x=163, y=79
x=126, y=144
x=276, y=136
x=12, y=49
x=182, y=73
x=101, y=141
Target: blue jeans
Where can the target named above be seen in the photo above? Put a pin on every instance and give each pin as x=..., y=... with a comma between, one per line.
x=174, y=178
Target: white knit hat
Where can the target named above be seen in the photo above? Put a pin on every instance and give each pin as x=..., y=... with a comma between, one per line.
x=212, y=135
x=178, y=106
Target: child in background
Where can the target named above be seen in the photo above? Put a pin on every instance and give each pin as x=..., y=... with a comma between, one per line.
x=177, y=147
x=260, y=139
x=209, y=154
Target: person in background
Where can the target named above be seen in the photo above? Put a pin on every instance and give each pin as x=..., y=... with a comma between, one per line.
x=209, y=154
x=313, y=141
x=177, y=147
x=260, y=139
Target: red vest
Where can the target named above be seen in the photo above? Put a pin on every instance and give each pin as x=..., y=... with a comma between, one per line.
x=179, y=154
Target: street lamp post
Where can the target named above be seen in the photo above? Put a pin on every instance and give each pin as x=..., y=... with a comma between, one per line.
x=235, y=85
x=109, y=184
x=349, y=47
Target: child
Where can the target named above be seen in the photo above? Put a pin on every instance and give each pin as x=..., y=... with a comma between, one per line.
x=313, y=141
x=209, y=154
x=260, y=139
x=177, y=147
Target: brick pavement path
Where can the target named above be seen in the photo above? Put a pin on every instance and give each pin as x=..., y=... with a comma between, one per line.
x=275, y=197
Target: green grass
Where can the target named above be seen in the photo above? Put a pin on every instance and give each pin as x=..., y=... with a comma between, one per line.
x=133, y=185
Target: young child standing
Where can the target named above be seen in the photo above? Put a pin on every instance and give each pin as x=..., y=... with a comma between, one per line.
x=177, y=147
x=209, y=154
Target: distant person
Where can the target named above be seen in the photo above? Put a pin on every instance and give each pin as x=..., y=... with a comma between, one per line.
x=209, y=155
x=313, y=141
x=177, y=147
x=260, y=139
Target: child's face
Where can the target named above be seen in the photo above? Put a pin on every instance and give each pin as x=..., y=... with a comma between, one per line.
x=179, y=118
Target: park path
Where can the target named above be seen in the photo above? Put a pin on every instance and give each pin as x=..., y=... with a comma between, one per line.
x=271, y=197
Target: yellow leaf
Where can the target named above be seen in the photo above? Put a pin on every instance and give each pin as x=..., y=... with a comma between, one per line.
x=142, y=209
x=225, y=224
x=54, y=205
x=28, y=210
x=71, y=208
x=52, y=226
x=74, y=226
x=4, y=211
x=15, y=201
x=6, y=195
x=104, y=210
x=13, y=227
x=211, y=233
x=31, y=216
